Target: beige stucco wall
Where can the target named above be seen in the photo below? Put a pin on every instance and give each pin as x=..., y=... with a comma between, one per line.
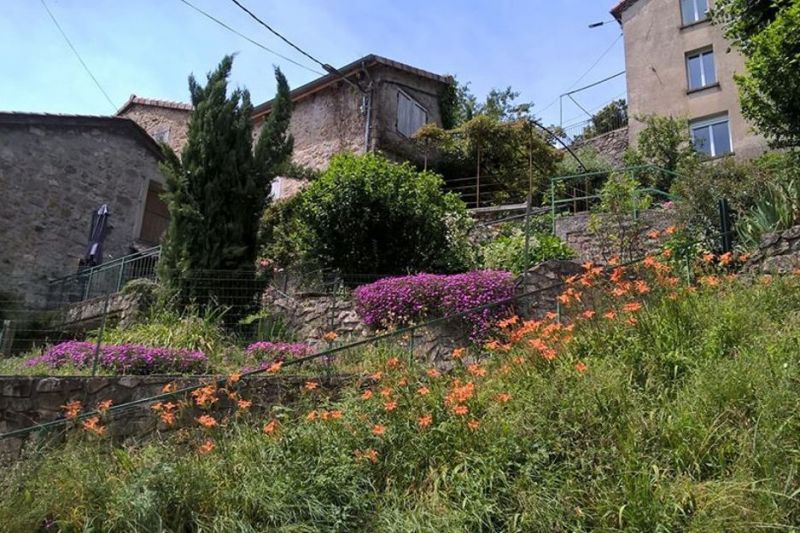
x=656, y=45
x=155, y=119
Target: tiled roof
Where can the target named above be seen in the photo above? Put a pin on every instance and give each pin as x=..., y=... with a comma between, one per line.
x=348, y=70
x=137, y=100
x=618, y=9
x=121, y=124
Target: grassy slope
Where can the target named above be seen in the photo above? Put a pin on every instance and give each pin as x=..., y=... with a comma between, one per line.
x=686, y=421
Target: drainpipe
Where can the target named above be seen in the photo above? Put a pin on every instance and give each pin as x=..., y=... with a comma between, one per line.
x=366, y=98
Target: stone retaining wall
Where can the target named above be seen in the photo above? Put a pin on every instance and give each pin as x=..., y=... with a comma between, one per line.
x=574, y=230
x=778, y=253
x=26, y=400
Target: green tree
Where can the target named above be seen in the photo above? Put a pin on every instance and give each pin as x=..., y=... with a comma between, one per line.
x=367, y=215
x=767, y=32
x=664, y=143
x=611, y=117
x=217, y=190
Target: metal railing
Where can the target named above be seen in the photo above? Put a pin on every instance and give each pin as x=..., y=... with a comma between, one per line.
x=580, y=192
x=103, y=279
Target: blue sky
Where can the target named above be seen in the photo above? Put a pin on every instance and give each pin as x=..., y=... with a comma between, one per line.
x=148, y=47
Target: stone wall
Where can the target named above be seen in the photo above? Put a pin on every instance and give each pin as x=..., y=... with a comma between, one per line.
x=26, y=400
x=778, y=253
x=611, y=146
x=164, y=124
x=574, y=230
x=324, y=124
x=54, y=173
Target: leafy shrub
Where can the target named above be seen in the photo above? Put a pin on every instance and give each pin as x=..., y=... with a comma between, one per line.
x=699, y=193
x=665, y=143
x=615, y=221
x=122, y=358
x=400, y=301
x=367, y=215
x=507, y=251
x=166, y=328
x=776, y=205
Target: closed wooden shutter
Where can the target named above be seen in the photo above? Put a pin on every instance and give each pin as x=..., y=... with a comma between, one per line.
x=410, y=115
x=156, y=216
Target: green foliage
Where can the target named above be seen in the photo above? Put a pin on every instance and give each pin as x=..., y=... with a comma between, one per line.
x=776, y=209
x=700, y=191
x=284, y=235
x=507, y=250
x=217, y=190
x=615, y=222
x=684, y=422
x=367, y=215
x=189, y=329
x=665, y=143
x=611, y=117
x=766, y=32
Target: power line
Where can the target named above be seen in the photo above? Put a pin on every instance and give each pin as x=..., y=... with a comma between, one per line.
x=243, y=36
x=325, y=66
x=284, y=39
x=75, y=51
x=586, y=73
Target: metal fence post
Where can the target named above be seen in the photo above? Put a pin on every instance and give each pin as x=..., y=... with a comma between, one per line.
x=725, y=225
x=6, y=338
x=87, y=290
x=121, y=276
x=527, y=239
x=100, y=335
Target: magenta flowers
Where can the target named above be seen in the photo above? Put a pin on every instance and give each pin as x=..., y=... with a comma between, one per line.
x=122, y=358
x=400, y=301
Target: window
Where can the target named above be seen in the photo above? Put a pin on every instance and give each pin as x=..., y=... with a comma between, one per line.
x=162, y=135
x=700, y=70
x=694, y=11
x=410, y=115
x=711, y=137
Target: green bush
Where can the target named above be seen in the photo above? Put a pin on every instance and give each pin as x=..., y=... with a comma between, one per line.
x=776, y=204
x=507, y=250
x=665, y=143
x=367, y=215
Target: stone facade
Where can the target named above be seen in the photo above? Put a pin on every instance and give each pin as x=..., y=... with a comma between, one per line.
x=55, y=171
x=611, y=146
x=25, y=401
x=574, y=230
x=778, y=253
x=331, y=116
x=165, y=121
x=656, y=47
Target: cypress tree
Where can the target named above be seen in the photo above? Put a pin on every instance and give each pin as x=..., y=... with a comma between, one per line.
x=218, y=188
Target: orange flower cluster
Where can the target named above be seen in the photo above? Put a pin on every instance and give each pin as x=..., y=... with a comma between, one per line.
x=207, y=421
x=459, y=393
x=424, y=421
x=310, y=385
x=104, y=406
x=205, y=396
x=207, y=447
x=92, y=425
x=270, y=427
x=367, y=455
x=72, y=409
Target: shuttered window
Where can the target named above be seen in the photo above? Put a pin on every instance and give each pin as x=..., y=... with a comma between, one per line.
x=410, y=115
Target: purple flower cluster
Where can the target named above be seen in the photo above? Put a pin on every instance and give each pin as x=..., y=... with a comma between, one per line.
x=122, y=358
x=399, y=301
x=277, y=350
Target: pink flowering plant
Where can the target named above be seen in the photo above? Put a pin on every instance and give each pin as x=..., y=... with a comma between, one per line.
x=122, y=358
x=401, y=301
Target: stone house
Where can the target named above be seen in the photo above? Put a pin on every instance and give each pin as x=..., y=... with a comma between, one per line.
x=371, y=104
x=679, y=64
x=165, y=121
x=55, y=171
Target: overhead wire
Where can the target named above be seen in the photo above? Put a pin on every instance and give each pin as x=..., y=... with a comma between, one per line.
x=586, y=73
x=78, y=55
x=249, y=39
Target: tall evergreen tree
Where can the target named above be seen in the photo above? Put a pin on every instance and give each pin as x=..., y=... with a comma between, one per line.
x=218, y=188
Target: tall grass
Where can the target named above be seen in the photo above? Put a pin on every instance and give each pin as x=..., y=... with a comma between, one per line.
x=686, y=421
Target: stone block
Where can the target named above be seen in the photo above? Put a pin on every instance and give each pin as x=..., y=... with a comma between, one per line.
x=16, y=388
